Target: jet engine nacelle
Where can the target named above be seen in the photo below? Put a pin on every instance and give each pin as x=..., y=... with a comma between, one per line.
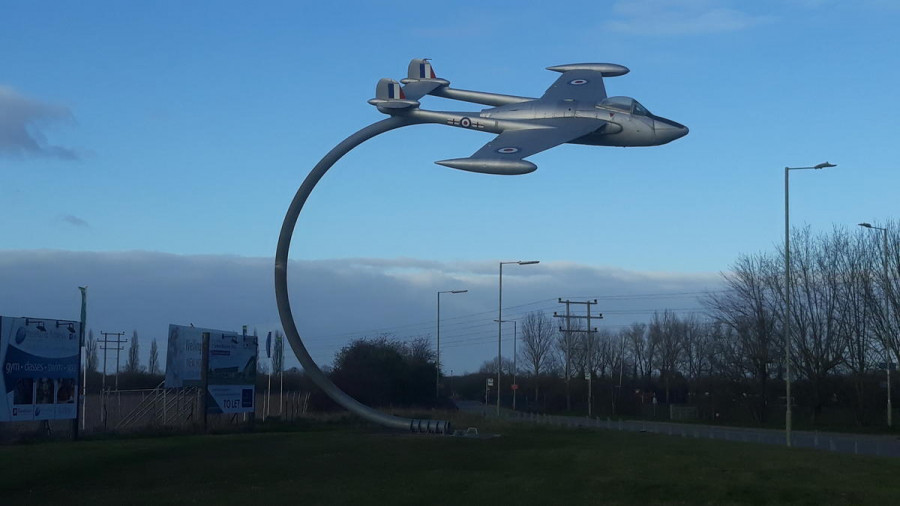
x=605, y=69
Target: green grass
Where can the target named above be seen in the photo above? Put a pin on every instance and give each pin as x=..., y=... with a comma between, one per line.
x=346, y=465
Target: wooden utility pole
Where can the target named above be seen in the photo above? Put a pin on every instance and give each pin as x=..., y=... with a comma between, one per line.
x=567, y=332
x=105, y=344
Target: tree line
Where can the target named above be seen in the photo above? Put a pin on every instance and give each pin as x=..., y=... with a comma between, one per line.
x=843, y=321
x=132, y=364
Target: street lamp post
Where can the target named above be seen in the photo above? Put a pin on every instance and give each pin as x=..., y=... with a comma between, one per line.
x=515, y=358
x=515, y=363
x=83, y=363
x=437, y=381
x=787, y=298
x=887, y=310
x=500, y=323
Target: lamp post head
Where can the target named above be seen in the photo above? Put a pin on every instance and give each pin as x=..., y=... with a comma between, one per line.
x=873, y=227
x=824, y=165
x=452, y=291
x=529, y=262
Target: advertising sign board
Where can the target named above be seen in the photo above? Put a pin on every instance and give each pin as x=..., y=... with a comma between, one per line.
x=40, y=359
x=232, y=373
x=183, y=356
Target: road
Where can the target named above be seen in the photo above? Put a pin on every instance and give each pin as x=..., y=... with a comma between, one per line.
x=863, y=444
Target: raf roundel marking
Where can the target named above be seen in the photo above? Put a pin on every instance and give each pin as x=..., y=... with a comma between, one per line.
x=508, y=151
x=578, y=82
x=465, y=122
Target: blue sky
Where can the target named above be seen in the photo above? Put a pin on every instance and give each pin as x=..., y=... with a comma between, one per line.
x=185, y=128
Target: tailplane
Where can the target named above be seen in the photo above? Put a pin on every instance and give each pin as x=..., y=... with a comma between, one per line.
x=389, y=94
x=421, y=79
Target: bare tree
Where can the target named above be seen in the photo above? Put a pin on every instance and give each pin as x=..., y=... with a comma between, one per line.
x=133, y=362
x=698, y=352
x=153, y=363
x=93, y=360
x=570, y=347
x=538, y=335
x=854, y=262
x=489, y=366
x=725, y=359
x=667, y=331
x=586, y=356
x=262, y=365
x=278, y=353
x=604, y=353
x=816, y=322
x=885, y=293
x=420, y=349
x=567, y=347
x=750, y=311
x=641, y=348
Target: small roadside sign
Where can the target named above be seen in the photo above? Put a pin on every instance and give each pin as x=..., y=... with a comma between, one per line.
x=514, y=386
x=490, y=382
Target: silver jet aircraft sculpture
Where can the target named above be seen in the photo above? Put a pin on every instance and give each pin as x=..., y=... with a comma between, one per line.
x=575, y=110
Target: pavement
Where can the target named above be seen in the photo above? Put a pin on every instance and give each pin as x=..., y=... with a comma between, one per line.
x=860, y=444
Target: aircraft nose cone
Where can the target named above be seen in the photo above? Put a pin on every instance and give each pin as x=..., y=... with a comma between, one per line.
x=668, y=130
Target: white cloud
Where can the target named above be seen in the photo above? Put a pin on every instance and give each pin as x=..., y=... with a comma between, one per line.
x=680, y=17
x=22, y=124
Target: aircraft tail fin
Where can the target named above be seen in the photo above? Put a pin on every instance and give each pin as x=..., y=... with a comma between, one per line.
x=389, y=94
x=389, y=89
x=420, y=68
x=421, y=79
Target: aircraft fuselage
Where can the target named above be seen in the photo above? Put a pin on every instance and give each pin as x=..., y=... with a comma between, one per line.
x=637, y=127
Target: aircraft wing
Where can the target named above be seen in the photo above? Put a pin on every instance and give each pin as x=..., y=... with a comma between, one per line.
x=577, y=85
x=582, y=81
x=504, y=154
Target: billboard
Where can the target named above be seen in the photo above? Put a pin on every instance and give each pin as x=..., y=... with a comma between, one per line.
x=231, y=373
x=183, y=356
x=40, y=359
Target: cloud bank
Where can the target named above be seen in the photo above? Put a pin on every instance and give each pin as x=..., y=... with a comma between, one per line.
x=333, y=300
x=22, y=124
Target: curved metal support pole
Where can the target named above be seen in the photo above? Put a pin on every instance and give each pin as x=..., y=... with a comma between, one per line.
x=281, y=291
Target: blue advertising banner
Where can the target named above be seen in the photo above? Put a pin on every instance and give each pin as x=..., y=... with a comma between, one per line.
x=39, y=379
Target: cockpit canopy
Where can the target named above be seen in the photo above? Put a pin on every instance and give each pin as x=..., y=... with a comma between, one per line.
x=626, y=104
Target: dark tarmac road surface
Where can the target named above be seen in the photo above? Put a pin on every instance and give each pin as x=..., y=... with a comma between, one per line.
x=863, y=444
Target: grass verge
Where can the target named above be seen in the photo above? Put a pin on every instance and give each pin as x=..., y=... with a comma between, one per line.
x=526, y=465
